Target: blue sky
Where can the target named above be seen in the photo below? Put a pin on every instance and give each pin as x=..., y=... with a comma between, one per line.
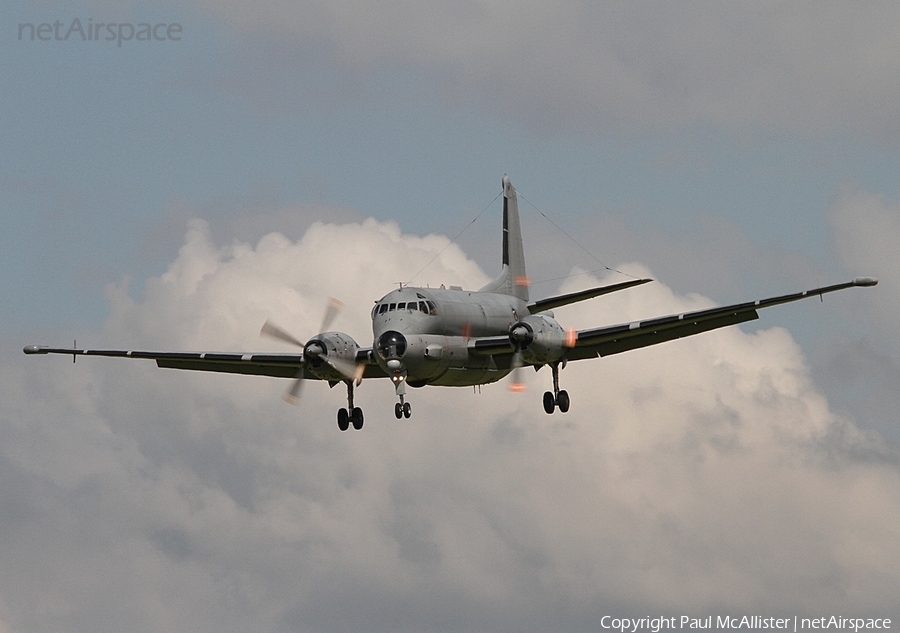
x=101, y=142
x=733, y=151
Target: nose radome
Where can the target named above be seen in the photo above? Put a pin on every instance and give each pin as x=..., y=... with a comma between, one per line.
x=391, y=344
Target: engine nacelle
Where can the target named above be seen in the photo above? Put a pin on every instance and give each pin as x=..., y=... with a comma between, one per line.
x=540, y=339
x=330, y=356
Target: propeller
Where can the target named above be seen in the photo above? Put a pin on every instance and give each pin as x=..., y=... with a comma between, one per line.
x=314, y=349
x=273, y=331
x=516, y=384
x=332, y=309
x=520, y=335
x=292, y=395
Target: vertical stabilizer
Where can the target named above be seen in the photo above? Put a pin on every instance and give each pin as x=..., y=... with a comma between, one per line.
x=512, y=280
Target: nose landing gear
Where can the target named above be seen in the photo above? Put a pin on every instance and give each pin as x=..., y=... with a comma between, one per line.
x=402, y=409
x=556, y=398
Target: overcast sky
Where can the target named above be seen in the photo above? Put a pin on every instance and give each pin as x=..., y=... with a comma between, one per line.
x=174, y=194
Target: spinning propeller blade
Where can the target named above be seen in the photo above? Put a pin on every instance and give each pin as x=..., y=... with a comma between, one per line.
x=516, y=383
x=331, y=311
x=292, y=395
x=520, y=336
x=273, y=331
x=347, y=368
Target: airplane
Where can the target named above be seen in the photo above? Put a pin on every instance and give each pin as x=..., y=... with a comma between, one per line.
x=455, y=337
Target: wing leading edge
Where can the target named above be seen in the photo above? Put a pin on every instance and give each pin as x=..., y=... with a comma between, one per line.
x=614, y=339
x=277, y=365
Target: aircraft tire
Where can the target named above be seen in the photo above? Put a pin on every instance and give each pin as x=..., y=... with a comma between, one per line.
x=357, y=418
x=398, y=410
x=407, y=409
x=562, y=401
x=343, y=419
x=549, y=402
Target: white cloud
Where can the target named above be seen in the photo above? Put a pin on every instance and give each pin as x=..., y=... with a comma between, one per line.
x=625, y=68
x=700, y=475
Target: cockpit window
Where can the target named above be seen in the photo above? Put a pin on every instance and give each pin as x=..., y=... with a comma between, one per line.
x=425, y=307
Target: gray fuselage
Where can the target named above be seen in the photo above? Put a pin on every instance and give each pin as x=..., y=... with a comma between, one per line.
x=435, y=325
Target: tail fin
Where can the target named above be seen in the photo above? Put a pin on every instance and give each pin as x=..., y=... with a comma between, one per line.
x=512, y=280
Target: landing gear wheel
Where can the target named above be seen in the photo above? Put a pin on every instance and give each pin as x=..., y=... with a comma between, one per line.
x=407, y=410
x=562, y=401
x=398, y=410
x=549, y=402
x=343, y=419
x=357, y=418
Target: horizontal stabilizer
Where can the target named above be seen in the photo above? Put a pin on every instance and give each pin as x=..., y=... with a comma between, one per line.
x=574, y=297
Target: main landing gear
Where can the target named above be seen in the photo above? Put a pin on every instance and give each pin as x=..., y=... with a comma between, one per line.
x=350, y=415
x=556, y=398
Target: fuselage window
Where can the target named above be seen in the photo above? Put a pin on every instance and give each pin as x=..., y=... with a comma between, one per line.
x=400, y=306
x=432, y=309
x=382, y=308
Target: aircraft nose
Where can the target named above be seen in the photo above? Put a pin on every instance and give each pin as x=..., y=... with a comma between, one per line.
x=391, y=344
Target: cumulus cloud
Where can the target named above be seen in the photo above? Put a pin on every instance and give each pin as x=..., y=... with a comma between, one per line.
x=702, y=475
x=625, y=68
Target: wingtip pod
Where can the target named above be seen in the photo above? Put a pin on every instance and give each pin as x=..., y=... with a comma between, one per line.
x=34, y=349
x=865, y=281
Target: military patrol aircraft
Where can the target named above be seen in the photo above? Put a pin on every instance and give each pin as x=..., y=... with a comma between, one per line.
x=455, y=337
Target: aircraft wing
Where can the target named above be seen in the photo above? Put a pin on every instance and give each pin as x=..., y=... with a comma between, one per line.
x=259, y=364
x=614, y=339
